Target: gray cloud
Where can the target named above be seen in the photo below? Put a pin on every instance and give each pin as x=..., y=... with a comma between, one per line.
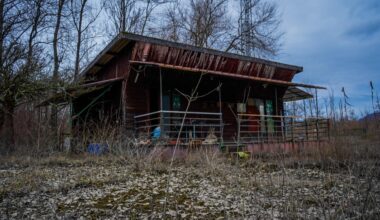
x=337, y=42
x=367, y=29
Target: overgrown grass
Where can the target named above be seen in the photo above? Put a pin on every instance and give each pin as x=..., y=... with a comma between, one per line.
x=338, y=179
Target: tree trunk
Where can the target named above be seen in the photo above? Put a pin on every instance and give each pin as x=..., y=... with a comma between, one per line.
x=7, y=131
x=1, y=119
x=1, y=32
x=77, y=56
x=79, y=41
x=54, y=109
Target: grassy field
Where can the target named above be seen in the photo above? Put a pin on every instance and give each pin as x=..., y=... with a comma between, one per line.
x=206, y=185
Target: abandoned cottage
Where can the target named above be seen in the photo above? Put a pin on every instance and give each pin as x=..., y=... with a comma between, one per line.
x=192, y=96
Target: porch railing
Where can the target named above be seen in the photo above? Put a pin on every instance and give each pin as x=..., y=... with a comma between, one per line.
x=207, y=127
x=198, y=127
x=254, y=128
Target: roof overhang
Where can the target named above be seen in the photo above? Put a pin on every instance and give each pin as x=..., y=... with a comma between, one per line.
x=295, y=94
x=253, y=78
x=66, y=95
x=107, y=54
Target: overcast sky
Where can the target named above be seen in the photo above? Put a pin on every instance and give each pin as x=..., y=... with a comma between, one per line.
x=337, y=42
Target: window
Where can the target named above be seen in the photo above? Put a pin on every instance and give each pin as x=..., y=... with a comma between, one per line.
x=176, y=102
x=269, y=111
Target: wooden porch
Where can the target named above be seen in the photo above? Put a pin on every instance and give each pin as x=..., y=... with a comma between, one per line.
x=197, y=129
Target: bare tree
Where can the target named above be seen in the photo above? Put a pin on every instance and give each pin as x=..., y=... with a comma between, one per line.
x=346, y=104
x=214, y=24
x=172, y=25
x=203, y=23
x=83, y=16
x=1, y=116
x=56, y=64
x=124, y=15
x=39, y=14
x=20, y=64
x=148, y=8
x=130, y=15
x=374, y=95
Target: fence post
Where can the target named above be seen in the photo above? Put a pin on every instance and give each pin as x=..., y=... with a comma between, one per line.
x=328, y=129
x=238, y=137
x=291, y=130
x=221, y=130
x=221, y=115
x=260, y=130
x=135, y=126
x=283, y=129
x=267, y=127
x=317, y=113
x=161, y=107
x=162, y=124
x=306, y=130
x=317, y=125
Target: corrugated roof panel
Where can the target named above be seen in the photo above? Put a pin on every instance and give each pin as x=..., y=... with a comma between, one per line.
x=295, y=94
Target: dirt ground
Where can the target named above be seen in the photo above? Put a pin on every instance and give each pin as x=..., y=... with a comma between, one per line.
x=215, y=187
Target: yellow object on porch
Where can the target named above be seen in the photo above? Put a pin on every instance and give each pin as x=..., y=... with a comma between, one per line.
x=243, y=155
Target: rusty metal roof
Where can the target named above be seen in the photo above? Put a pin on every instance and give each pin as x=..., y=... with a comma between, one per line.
x=120, y=41
x=167, y=53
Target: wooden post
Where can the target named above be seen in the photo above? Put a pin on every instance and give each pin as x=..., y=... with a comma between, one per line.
x=291, y=130
x=276, y=113
x=161, y=105
x=238, y=137
x=267, y=118
x=283, y=126
x=124, y=105
x=276, y=100
x=305, y=118
x=328, y=129
x=261, y=132
x=71, y=130
x=292, y=123
x=317, y=114
x=39, y=128
x=221, y=115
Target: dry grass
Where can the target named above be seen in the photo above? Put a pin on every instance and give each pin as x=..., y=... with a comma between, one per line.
x=331, y=182
x=337, y=180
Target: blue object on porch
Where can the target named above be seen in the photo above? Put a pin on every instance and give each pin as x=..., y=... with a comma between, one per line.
x=156, y=133
x=97, y=149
